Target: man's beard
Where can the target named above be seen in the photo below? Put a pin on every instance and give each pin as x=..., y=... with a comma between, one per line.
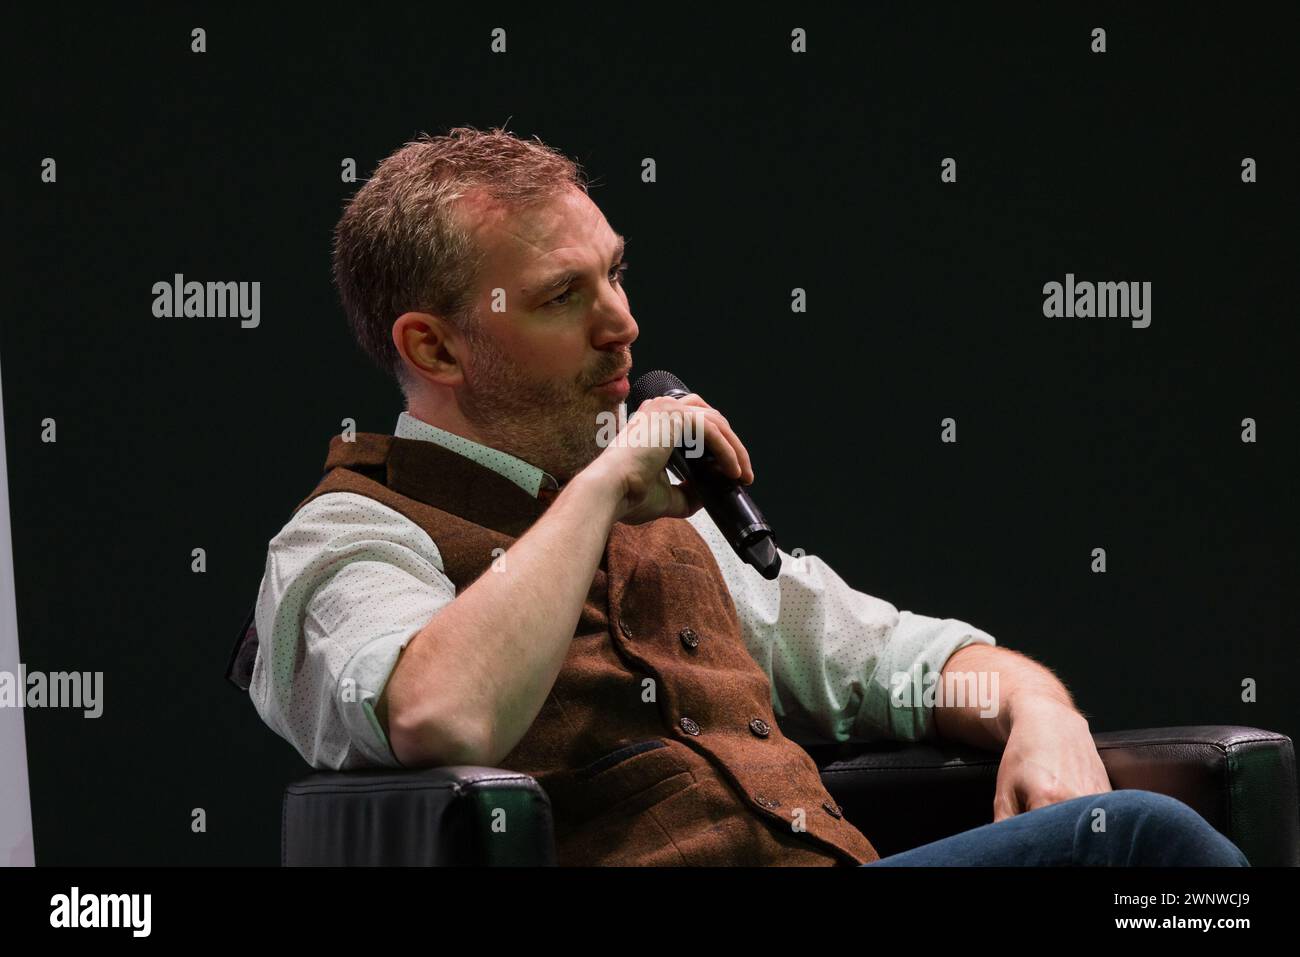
x=551, y=425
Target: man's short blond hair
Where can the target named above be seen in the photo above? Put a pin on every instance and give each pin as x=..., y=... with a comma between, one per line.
x=403, y=245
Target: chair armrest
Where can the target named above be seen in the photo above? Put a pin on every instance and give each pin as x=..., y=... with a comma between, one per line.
x=1241, y=780
x=448, y=816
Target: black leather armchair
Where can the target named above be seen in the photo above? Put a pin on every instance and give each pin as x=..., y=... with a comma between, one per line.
x=1241, y=780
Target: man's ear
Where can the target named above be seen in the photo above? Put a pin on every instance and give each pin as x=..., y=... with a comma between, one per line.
x=432, y=347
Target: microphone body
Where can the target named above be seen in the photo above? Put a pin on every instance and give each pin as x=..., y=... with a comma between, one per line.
x=724, y=498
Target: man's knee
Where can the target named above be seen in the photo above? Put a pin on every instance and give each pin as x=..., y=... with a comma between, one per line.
x=1157, y=829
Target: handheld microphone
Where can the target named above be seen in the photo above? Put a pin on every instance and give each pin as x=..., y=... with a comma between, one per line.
x=723, y=497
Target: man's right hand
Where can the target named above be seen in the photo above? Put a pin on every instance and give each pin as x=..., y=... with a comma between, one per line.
x=637, y=472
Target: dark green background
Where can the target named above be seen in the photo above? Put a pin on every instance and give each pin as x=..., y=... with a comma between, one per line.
x=774, y=171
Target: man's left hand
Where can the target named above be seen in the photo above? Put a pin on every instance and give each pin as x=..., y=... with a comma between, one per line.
x=1049, y=757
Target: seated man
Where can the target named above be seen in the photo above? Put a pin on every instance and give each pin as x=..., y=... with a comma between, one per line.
x=490, y=586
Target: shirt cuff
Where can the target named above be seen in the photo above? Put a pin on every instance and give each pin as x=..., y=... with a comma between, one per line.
x=361, y=682
x=899, y=696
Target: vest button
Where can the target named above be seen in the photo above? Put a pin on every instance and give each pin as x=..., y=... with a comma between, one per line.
x=689, y=638
x=689, y=726
x=766, y=802
x=834, y=810
x=760, y=727
x=622, y=626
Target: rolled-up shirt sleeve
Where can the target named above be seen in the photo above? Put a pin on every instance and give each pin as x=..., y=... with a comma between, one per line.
x=844, y=665
x=348, y=583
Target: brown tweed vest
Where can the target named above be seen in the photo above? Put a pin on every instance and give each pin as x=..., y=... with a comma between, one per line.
x=657, y=744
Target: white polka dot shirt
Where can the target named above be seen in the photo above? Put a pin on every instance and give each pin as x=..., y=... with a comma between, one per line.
x=350, y=581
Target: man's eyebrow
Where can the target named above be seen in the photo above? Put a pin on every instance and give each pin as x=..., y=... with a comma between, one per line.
x=560, y=280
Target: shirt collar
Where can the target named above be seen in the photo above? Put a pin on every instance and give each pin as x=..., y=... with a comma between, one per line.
x=528, y=477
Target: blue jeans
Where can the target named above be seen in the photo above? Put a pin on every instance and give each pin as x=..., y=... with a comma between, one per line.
x=1141, y=829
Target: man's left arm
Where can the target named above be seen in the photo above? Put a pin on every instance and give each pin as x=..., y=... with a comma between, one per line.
x=1048, y=754
x=854, y=667
x=843, y=665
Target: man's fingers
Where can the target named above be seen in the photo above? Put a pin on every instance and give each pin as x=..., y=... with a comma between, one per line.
x=1008, y=802
x=723, y=447
x=746, y=473
x=734, y=455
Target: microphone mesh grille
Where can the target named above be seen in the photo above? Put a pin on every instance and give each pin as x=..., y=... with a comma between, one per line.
x=651, y=386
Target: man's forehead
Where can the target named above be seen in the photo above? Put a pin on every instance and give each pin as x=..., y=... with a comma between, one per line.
x=538, y=230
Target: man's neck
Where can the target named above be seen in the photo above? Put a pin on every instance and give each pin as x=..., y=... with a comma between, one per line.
x=519, y=443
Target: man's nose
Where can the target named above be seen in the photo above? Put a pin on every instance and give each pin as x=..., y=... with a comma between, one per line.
x=615, y=326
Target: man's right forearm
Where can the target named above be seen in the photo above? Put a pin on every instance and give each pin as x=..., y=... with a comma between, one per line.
x=470, y=683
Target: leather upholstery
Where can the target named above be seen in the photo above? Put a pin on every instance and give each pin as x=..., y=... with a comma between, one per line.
x=1242, y=780
x=438, y=816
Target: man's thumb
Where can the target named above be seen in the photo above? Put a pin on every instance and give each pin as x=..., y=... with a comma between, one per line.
x=685, y=500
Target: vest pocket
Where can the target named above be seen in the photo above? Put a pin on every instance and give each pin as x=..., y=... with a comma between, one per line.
x=617, y=757
x=622, y=781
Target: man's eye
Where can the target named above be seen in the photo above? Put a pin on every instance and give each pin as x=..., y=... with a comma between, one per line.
x=615, y=275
